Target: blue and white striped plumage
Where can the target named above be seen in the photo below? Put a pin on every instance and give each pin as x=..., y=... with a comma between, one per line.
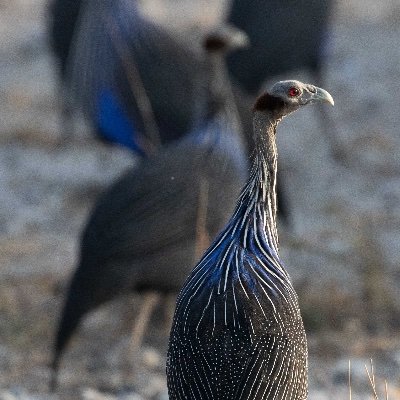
x=237, y=331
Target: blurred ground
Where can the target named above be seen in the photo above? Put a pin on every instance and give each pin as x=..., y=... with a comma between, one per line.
x=343, y=250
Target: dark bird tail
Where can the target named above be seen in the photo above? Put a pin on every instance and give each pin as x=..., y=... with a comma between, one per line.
x=70, y=318
x=77, y=304
x=54, y=366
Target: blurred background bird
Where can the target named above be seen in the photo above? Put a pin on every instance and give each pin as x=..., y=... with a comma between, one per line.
x=285, y=36
x=147, y=230
x=133, y=79
x=237, y=330
x=129, y=98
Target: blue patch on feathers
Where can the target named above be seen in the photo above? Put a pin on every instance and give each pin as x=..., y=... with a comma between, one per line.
x=114, y=123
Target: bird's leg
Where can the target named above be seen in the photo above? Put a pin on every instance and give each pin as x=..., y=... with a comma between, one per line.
x=202, y=236
x=151, y=299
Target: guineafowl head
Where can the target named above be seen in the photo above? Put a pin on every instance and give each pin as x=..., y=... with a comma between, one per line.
x=284, y=97
x=225, y=39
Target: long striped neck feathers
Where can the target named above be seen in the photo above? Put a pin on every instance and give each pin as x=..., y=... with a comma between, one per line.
x=257, y=203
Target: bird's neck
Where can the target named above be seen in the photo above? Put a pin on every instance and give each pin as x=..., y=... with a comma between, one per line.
x=257, y=203
x=218, y=106
x=265, y=160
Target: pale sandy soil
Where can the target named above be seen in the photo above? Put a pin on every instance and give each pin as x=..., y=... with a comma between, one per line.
x=343, y=250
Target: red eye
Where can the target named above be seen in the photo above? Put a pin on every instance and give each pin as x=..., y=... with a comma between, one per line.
x=294, y=92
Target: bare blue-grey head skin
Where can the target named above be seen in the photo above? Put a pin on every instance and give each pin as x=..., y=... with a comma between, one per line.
x=238, y=331
x=285, y=97
x=307, y=94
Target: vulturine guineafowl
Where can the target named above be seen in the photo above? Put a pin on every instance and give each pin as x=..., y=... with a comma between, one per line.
x=147, y=230
x=237, y=330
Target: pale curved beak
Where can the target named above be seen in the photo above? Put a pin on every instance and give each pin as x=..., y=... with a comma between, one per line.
x=322, y=95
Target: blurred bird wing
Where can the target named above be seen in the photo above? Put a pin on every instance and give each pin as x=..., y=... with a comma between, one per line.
x=134, y=217
x=145, y=66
